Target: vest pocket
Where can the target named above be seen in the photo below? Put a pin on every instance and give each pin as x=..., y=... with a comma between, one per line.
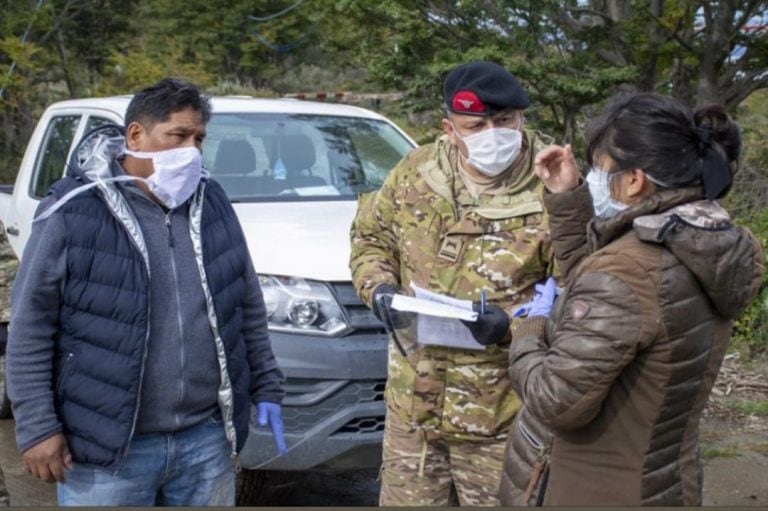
x=65, y=368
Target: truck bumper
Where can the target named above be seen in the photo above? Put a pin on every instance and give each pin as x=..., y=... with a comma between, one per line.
x=333, y=412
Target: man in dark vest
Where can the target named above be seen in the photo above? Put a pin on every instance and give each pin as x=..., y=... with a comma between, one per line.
x=138, y=337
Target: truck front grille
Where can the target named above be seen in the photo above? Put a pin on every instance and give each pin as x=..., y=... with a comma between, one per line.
x=308, y=402
x=360, y=316
x=363, y=425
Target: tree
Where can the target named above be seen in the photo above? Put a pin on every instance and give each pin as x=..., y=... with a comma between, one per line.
x=699, y=51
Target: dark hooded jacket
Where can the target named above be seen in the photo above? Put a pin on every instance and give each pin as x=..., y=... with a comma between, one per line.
x=615, y=383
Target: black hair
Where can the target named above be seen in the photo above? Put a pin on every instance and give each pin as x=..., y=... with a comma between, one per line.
x=669, y=142
x=157, y=102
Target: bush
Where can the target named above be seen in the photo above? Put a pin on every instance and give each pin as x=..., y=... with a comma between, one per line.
x=747, y=204
x=750, y=331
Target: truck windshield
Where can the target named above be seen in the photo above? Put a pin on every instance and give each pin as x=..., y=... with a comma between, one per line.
x=288, y=157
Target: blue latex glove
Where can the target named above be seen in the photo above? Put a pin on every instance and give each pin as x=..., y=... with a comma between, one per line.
x=542, y=302
x=269, y=413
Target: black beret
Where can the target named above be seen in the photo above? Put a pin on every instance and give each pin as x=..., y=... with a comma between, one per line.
x=482, y=88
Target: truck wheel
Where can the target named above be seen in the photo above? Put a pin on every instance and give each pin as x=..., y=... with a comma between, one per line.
x=262, y=487
x=5, y=403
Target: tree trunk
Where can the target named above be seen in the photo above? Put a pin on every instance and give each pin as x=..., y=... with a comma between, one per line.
x=655, y=39
x=65, y=63
x=617, y=10
x=714, y=51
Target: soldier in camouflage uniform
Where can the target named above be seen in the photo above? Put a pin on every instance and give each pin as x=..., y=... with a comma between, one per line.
x=8, y=265
x=455, y=219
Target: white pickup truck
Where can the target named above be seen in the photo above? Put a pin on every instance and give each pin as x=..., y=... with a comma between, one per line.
x=293, y=171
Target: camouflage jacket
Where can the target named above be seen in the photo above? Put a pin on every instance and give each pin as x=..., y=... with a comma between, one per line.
x=8, y=265
x=423, y=227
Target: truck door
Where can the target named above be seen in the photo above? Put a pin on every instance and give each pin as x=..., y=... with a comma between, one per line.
x=47, y=166
x=54, y=145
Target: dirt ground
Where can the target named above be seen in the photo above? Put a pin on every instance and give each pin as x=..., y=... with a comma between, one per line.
x=734, y=436
x=734, y=450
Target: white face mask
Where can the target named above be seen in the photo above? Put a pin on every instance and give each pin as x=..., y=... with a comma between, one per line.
x=492, y=151
x=599, y=184
x=177, y=173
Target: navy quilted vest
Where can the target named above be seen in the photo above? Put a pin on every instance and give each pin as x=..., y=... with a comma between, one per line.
x=104, y=320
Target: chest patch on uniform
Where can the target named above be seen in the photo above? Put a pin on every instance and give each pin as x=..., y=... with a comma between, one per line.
x=579, y=309
x=450, y=249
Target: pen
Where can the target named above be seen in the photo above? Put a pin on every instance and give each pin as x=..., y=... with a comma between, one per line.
x=482, y=301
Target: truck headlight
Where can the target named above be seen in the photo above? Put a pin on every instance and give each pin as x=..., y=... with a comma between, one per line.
x=301, y=306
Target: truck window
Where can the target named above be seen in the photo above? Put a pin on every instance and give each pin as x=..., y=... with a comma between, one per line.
x=296, y=157
x=53, y=155
x=95, y=122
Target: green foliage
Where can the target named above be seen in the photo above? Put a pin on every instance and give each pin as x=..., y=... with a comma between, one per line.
x=750, y=331
x=709, y=452
x=747, y=203
x=130, y=72
x=421, y=132
x=752, y=408
x=236, y=88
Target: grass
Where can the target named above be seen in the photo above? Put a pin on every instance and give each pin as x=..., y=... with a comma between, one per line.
x=756, y=408
x=709, y=452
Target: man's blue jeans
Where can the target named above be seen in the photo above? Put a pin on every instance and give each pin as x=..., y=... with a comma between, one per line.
x=187, y=468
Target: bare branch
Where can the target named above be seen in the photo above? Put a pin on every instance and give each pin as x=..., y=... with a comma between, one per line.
x=612, y=57
x=591, y=12
x=741, y=89
x=748, y=10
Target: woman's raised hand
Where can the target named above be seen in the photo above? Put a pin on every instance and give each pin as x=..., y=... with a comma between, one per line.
x=556, y=167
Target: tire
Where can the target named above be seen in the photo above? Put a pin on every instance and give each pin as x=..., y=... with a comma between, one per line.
x=262, y=487
x=5, y=403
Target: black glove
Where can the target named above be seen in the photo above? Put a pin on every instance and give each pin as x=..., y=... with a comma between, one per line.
x=381, y=302
x=491, y=327
x=382, y=298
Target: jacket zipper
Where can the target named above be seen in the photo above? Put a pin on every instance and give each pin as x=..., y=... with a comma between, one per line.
x=178, y=308
x=168, y=225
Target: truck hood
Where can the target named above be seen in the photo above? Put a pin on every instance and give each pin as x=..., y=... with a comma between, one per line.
x=300, y=239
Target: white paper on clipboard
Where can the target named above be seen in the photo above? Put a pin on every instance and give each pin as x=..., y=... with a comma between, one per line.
x=434, y=309
x=439, y=318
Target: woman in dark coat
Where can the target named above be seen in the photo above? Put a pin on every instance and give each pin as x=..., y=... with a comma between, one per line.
x=615, y=382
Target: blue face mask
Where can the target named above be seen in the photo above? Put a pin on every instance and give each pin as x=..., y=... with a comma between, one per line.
x=599, y=184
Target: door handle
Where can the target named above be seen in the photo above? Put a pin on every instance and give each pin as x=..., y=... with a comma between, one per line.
x=13, y=231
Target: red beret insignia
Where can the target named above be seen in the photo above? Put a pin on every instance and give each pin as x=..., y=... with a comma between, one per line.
x=467, y=101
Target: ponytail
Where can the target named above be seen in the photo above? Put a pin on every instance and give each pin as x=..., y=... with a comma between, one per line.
x=719, y=143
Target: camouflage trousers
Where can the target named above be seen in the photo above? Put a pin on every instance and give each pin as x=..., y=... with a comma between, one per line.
x=5, y=499
x=421, y=468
